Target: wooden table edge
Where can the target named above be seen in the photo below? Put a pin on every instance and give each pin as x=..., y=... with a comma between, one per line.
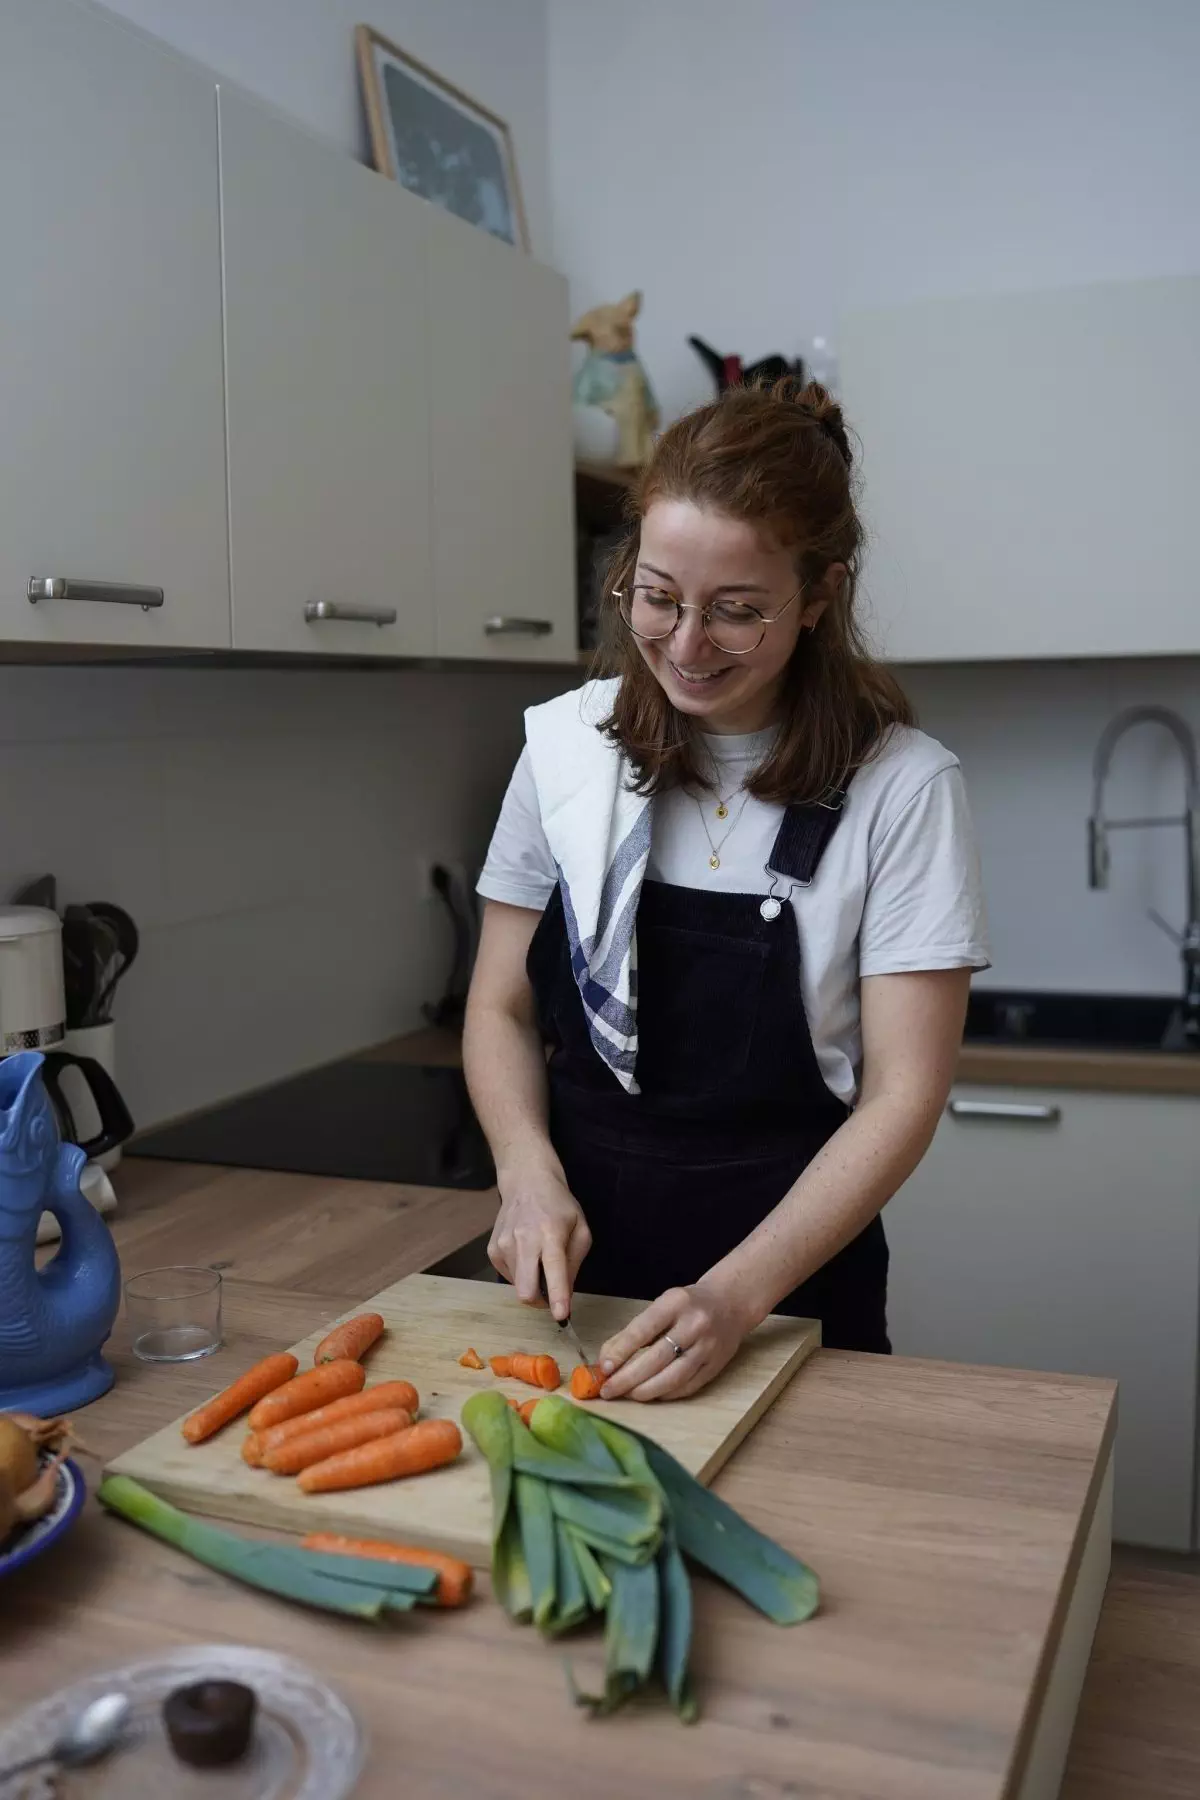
x=1044, y=1735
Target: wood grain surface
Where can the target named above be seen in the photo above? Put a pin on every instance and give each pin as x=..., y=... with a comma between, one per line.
x=941, y=1506
x=430, y=1320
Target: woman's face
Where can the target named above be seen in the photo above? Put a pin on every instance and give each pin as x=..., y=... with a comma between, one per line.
x=698, y=556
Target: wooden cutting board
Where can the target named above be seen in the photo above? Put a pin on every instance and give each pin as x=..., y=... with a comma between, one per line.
x=431, y=1320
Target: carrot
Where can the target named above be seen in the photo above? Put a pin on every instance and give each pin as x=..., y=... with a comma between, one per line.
x=351, y=1339
x=308, y=1447
x=455, y=1578
x=526, y=1409
x=586, y=1381
x=521, y=1368
x=501, y=1366
x=252, y=1451
x=304, y=1392
x=380, y=1398
x=471, y=1359
x=515, y=1404
x=271, y=1373
x=548, y=1373
x=424, y=1446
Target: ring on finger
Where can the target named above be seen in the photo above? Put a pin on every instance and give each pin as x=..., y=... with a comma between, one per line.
x=676, y=1349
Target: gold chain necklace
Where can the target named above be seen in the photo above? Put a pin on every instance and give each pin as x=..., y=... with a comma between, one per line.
x=714, y=860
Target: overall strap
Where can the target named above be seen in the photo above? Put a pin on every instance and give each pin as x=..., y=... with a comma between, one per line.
x=804, y=833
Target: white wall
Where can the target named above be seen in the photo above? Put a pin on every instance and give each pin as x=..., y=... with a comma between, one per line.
x=264, y=829
x=757, y=169
x=299, y=54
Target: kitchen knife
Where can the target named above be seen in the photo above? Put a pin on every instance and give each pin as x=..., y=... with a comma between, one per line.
x=565, y=1325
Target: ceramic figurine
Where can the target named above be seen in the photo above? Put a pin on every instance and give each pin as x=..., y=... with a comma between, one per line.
x=730, y=371
x=612, y=378
x=53, y=1321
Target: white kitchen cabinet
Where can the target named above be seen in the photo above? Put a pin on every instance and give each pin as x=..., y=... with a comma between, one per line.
x=328, y=382
x=503, y=543
x=113, y=462
x=1059, y=1230
x=1030, y=466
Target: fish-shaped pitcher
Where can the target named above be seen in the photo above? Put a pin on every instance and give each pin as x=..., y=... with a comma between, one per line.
x=53, y=1320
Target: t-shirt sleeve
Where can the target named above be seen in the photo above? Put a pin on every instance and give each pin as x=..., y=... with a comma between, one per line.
x=519, y=869
x=924, y=906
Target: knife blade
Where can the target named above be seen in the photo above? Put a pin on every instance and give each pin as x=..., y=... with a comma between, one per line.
x=565, y=1325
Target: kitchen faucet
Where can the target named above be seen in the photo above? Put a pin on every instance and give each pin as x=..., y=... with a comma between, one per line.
x=1183, y=1032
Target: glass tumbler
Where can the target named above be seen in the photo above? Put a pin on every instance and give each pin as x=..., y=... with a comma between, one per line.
x=174, y=1314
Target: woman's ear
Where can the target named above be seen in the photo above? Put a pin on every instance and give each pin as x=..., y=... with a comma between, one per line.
x=822, y=594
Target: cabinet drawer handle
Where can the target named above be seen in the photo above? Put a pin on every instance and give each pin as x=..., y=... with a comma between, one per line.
x=498, y=626
x=1031, y=1113
x=110, y=593
x=317, y=610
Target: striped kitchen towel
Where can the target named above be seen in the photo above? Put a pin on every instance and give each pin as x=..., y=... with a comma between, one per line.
x=599, y=835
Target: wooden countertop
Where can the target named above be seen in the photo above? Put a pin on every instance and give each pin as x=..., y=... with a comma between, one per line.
x=992, y=1065
x=945, y=1509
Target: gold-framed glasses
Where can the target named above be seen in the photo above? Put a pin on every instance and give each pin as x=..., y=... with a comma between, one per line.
x=735, y=628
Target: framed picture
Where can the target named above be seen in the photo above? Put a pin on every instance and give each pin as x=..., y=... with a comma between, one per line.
x=438, y=142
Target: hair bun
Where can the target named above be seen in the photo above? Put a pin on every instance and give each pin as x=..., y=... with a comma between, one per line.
x=819, y=403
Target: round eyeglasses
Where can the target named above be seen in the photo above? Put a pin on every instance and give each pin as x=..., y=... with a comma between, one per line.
x=731, y=626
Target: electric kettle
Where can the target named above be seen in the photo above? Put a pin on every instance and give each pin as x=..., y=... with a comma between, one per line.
x=33, y=1017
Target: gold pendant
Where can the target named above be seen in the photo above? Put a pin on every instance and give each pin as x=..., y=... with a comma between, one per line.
x=714, y=861
x=722, y=810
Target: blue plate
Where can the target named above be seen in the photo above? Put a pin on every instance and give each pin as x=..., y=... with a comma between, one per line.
x=29, y=1541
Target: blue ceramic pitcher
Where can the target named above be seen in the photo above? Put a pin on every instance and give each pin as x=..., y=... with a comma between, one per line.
x=53, y=1321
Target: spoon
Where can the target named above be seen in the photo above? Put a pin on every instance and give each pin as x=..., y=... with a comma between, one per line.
x=88, y=1737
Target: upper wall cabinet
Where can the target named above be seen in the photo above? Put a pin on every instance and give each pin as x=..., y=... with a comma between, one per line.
x=504, y=575
x=328, y=395
x=1031, y=464
x=112, y=471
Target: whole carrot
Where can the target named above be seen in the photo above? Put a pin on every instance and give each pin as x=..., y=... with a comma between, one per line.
x=264, y=1378
x=586, y=1382
x=424, y=1446
x=252, y=1450
x=383, y=1396
x=455, y=1578
x=330, y=1440
x=332, y=1381
x=352, y=1339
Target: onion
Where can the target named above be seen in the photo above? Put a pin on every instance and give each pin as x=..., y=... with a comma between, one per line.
x=18, y=1455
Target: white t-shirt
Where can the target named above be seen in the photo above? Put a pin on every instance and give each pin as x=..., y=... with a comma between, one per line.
x=898, y=888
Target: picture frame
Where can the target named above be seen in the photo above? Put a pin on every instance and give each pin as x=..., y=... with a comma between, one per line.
x=438, y=142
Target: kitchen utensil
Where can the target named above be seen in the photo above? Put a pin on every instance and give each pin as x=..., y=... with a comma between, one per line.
x=174, y=1314
x=431, y=1320
x=566, y=1326
x=125, y=948
x=85, y=1738
x=53, y=1320
x=41, y=892
x=87, y=945
x=306, y=1745
x=30, y=1540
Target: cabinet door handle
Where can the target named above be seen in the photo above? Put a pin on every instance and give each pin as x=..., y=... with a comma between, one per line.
x=317, y=610
x=498, y=626
x=1020, y=1112
x=108, y=593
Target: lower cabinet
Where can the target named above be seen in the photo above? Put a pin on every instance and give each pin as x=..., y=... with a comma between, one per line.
x=1057, y=1230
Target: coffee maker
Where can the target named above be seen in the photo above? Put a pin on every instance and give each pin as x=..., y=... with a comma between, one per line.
x=33, y=1017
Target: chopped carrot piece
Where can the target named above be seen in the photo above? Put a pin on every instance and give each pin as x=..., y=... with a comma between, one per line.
x=471, y=1359
x=586, y=1382
x=501, y=1366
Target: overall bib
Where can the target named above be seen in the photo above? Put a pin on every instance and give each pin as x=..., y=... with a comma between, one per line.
x=732, y=1108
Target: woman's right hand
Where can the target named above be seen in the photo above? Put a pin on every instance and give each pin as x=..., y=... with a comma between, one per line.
x=540, y=1226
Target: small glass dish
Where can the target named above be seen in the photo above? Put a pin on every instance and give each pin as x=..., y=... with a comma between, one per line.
x=174, y=1314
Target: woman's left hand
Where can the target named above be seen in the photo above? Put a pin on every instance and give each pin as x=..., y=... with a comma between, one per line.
x=642, y=1365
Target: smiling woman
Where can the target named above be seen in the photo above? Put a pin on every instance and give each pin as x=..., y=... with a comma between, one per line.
x=734, y=893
